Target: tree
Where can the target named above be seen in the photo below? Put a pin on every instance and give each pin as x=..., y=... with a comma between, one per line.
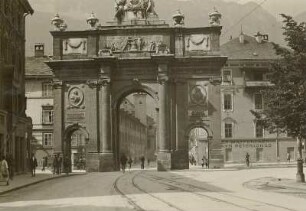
x=285, y=101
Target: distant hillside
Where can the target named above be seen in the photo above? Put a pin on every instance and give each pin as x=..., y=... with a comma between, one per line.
x=196, y=14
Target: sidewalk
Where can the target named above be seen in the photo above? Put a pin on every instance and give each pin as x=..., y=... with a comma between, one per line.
x=262, y=165
x=25, y=180
x=278, y=185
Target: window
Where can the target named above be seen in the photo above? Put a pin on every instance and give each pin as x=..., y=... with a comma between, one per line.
x=259, y=129
x=47, y=90
x=227, y=102
x=77, y=139
x=47, y=139
x=228, y=155
x=258, y=76
x=228, y=130
x=47, y=116
x=259, y=154
x=227, y=76
x=258, y=101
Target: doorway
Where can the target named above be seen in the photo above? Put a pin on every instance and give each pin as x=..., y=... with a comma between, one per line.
x=198, y=146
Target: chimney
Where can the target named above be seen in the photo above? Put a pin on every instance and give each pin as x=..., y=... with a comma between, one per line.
x=259, y=37
x=241, y=38
x=39, y=50
x=265, y=37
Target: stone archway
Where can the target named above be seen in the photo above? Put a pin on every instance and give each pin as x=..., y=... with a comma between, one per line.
x=200, y=151
x=116, y=102
x=74, y=146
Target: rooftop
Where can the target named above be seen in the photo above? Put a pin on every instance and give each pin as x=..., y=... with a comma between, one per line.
x=249, y=49
x=35, y=66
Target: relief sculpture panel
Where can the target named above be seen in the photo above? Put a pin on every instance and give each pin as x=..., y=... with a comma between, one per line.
x=198, y=99
x=75, y=46
x=197, y=42
x=156, y=44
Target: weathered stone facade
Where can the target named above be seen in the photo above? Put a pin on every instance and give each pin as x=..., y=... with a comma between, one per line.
x=96, y=69
x=15, y=126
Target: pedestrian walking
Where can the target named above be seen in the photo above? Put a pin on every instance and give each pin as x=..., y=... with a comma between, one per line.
x=44, y=163
x=288, y=157
x=123, y=160
x=247, y=159
x=33, y=164
x=142, y=161
x=67, y=165
x=55, y=165
x=11, y=165
x=148, y=161
x=4, y=171
x=60, y=164
x=204, y=161
x=130, y=161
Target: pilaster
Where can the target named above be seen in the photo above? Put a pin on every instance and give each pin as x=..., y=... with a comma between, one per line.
x=58, y=124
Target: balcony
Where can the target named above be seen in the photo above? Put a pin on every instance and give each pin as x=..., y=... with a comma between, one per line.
x=255, y=84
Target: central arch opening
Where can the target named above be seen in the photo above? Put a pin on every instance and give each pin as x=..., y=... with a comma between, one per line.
x=137, y=126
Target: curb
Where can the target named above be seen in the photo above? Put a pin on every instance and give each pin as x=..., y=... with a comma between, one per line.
x=37, y=182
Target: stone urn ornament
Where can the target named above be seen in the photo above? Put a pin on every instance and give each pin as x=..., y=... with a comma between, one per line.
x=215, y=17
x=92, y=20
x=178, y=18
x=57, y=21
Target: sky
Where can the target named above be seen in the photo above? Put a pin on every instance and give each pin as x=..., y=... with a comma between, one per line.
x=275, y=7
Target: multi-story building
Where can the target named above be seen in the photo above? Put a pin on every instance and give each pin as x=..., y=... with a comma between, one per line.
x=244, y=75
x=40, y=102
x=15, y=127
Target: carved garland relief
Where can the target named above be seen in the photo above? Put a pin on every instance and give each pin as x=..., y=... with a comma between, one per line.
x=75, y=46
x=197, y=42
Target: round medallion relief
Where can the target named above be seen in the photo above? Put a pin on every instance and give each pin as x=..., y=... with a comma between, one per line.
x=198, y=95
x=76, y=97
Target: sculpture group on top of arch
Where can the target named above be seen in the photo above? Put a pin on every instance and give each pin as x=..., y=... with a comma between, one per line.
x=134, y=9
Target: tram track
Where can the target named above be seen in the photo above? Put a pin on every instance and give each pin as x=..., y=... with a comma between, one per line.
x=130, y=201
x=155, y=197
x=136, y=186
x=178, y=185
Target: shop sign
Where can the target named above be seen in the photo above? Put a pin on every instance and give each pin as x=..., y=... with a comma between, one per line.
x=247, y=144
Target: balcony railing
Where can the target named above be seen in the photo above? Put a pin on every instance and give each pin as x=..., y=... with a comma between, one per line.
x=258, y=84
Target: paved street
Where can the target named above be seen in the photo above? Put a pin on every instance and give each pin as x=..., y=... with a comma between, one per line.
x=194, y=189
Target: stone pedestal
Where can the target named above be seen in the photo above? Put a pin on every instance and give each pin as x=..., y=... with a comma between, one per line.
x=92, y=162
x=107, y=162
x=216, y=159
x=300, y=177
x=164, y=161
x=180, y=160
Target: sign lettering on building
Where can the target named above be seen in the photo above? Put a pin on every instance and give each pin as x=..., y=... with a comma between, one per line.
x=247, y=144
x=75, y=117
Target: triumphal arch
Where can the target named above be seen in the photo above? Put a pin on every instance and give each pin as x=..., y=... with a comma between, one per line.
x=95, y=69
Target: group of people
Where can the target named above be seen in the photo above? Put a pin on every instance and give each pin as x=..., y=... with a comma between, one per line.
x=58, y=163
x=124, y=160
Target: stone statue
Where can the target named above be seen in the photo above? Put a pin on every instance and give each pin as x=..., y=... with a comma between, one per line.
x=149, y=6
x=134, y=9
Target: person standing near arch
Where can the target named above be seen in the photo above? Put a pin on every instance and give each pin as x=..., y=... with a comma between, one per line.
x=33, y=164
x=123, y=160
